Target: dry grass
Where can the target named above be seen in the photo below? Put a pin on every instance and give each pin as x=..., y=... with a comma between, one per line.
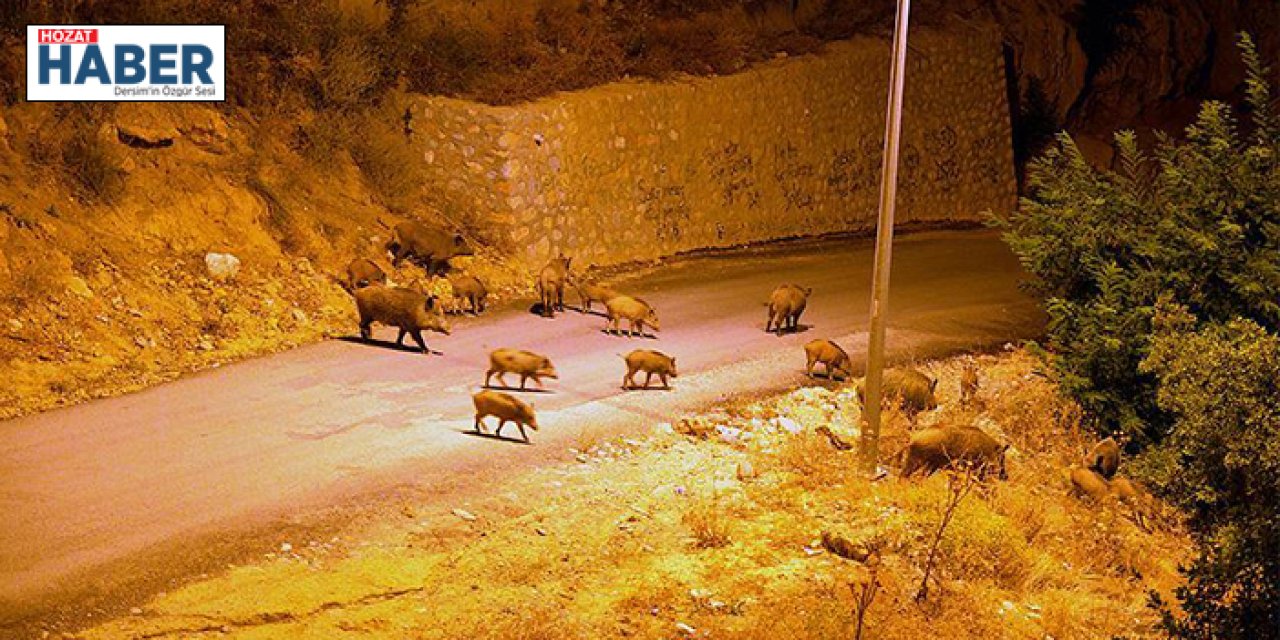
x=654, y=539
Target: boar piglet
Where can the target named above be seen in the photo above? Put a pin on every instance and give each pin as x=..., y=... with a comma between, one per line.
x=829, y=354
x=506, y=408
x=526, y=364
x=651, y=363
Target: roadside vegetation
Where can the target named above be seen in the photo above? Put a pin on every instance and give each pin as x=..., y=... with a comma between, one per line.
x=746, y=522
x=1162, y=282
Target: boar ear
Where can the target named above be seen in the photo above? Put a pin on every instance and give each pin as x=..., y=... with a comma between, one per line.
x=1004, y=448
x=933, y=384
x=458, y=239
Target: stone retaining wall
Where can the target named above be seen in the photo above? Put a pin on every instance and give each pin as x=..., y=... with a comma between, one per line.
x=638, y=170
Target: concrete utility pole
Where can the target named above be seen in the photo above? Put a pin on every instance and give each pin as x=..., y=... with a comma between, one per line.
x=870, y=441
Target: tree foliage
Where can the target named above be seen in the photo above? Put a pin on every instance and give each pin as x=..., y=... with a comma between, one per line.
x=1198, y=221
x=1221, y=465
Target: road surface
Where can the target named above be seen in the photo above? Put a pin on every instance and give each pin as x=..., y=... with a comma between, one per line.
x=104, y=501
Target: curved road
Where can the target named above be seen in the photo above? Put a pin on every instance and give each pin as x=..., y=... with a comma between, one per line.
x=105, y=500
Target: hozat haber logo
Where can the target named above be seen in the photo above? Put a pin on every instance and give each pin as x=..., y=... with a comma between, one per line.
x=126, y=63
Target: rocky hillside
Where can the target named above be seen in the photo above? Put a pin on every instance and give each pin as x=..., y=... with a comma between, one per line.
x=144, y=241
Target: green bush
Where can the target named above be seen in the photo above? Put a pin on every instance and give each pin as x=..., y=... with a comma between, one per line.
x=1221, y=464
x=1199, y=223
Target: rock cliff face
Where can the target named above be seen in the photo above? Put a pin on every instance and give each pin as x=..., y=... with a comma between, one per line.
x=1103, y=65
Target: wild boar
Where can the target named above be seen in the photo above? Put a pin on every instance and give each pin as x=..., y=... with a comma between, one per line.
x=428, y=246
x=911, y=389
x=968, y=383
x=363, y=272
x=1104, y=458
x=829, y=354
x=506, y=408
x=551, y=281
x=589, y=293
x=636, y=311
x=526, y=364
x=1088, y=484
x=941, y=447
x=469, y=290
x=651, y=363
x=785, y=306
x=409, y=311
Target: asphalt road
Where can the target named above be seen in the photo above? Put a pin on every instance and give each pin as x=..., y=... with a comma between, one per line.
x=104, y=500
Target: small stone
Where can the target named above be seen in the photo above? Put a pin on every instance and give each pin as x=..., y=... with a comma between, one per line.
x=465, y=515
x=285, y=547
x=788, y=425
x=300, y=316
x=222, y=266
x=78, y=286
x=540, y=531
x=686, y=629
x=746, y=470
x=135, y=611
x=15, y=325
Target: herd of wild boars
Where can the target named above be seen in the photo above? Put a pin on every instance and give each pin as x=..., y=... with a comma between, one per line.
x=413, y=312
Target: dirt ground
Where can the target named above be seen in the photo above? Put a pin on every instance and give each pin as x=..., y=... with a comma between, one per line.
x=727, y=525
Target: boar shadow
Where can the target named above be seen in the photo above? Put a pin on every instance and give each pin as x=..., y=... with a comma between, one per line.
x=590, y=312
x=656, y=387
x=800, y=328
x=495, y=437
x=407, y=347
x=623, y=334
x=515, y=388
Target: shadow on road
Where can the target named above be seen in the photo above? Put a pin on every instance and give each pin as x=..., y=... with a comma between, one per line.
x=494, y=387
x=387, y=344
x=493, y=436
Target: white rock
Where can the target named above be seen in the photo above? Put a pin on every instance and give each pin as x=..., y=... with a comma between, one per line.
x=286, y=547
x=788, y=425
x=686, y=629
x=222, y=266
x=465, y=515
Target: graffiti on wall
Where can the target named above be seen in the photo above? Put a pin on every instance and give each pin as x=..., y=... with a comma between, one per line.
x=664, y=206
x=734, y=172
x=794, y=177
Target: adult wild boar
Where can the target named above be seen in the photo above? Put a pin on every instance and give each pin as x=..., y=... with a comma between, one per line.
x=912, y=390
x=1104, y=458
x=429, y=246
x=589, y=293
x=829, y=354
x=409, y=311
x=651, y=363
x=526, y=364
x=551, y=281
x=506, y=408
x=636, y=311
x=468, y=289
x=785, y=306
x=941, y=447
x=363, y=272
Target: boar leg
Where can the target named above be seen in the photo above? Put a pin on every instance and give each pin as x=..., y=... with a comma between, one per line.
x=663, y=378
x=648, y=377
x=400, y=338
x=522, y=433
x=366, y=332
x=523, y=378
x=478, y=423
x=417, y=337
x=501, y=423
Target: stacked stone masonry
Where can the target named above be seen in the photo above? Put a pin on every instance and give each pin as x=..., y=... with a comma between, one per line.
x=639, y=170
